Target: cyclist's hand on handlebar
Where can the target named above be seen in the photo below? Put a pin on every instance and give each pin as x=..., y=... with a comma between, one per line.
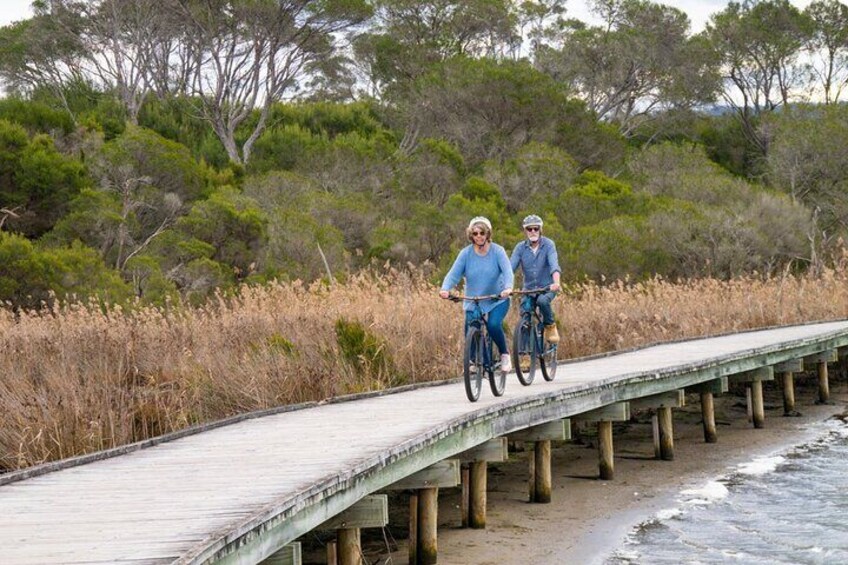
x=506, y=292
x=555, y=287
x=444, y=294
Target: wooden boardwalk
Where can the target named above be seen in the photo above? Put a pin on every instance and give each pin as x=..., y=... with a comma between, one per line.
x=240, y=491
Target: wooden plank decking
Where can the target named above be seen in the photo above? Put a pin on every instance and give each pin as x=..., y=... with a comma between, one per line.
x=260, y=483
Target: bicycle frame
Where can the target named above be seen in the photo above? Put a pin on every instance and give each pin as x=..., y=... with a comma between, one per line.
x=530, y=340
x=479, y=352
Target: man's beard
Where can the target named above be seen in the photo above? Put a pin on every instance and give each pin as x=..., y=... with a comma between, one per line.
x=533, y=238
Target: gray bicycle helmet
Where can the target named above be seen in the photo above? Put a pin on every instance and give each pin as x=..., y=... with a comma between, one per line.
x=532, y=220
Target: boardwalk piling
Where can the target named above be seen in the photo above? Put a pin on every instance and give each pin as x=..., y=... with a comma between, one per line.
x=666, y=428
x=413, y=528
x=758, y=414
x=463, y=504
x=754, y=389
x=605, y=450
x=349, y=546
x=332, y=553
x=708, y=414
x=477, y=496
x=824, y=385
x=788, y=393
x=428, y=516
x=539, y=459
x=542, y=472
x=788, y=370
x=706, y=391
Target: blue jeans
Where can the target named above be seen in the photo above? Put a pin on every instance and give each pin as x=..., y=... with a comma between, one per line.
x=543, y=301
x=494, y=323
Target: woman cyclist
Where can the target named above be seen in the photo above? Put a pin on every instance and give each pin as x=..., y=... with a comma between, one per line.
x=487, y=270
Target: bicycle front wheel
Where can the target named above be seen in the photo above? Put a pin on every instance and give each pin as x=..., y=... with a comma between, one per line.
x=473, y=364
x=497, y=377
x=523, y=353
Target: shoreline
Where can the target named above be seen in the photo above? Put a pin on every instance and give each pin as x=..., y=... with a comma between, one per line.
x=589, y=519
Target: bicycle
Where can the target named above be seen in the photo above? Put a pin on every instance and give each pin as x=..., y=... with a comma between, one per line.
x=479, y=353
x=529, y=343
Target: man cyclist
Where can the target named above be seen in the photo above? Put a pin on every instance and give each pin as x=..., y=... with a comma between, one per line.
x=537, y=257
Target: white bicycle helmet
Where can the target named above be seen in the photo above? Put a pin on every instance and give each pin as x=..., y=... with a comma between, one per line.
x=480, y=220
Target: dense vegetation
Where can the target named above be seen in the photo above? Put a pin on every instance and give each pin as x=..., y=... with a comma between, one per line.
x=162, y=154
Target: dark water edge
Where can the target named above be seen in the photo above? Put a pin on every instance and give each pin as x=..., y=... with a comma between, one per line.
x=791, y=507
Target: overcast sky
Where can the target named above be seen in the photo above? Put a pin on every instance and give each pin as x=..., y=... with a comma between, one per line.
x=699, y=10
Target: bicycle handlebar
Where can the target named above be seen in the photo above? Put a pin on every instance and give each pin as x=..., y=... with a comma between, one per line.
x=532, y=291
x=458, y=297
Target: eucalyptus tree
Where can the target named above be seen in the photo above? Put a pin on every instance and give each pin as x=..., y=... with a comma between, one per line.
x=486, y=108
x=829, y=43
x=43, y=52
x=248, y=54
x=411, y=35
x=639, y=60
x=760, y=45
x=107, y=44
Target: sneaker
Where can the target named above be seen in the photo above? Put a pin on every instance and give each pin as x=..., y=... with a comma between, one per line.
x=551, y=333
x=506, y=363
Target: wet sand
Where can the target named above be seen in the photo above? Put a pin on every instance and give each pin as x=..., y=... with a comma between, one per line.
x=588, y=519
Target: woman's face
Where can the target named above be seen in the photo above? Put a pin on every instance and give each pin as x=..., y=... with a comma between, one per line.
x=479, y=234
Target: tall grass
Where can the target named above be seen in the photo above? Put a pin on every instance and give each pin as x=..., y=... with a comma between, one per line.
x=79, y=378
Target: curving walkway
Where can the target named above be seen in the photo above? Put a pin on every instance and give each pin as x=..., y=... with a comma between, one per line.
x=241, y=491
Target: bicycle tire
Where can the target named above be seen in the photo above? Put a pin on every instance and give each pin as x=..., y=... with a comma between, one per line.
x=497, y=378
x=473, y=364
x=520, y=340
x=548, y=359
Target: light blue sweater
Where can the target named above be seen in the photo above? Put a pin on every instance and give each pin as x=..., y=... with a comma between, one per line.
x=487, y=274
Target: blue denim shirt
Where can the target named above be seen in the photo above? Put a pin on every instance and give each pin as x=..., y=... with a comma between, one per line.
x=538, y=267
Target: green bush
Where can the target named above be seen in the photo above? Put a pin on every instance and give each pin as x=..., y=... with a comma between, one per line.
x=363, y=350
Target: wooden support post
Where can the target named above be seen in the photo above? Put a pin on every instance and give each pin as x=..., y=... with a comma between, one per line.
x=605, y=450
x=413, y=528
x=708, y=415
x=748, y=402
x=428, y=519
x=754, y=390
x=655, y=428
x=477, y=496
x=824, y=384
x=666, y=425
x=463, y=504
x=349, y=546
x=788, y=393
x=542, y=472
x=758, y=415
x=332, y=553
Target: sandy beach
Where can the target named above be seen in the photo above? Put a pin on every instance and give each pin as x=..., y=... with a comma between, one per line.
x=589, y=518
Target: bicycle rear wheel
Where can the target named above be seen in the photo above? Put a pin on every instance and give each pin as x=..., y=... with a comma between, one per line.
x=473, y=364
x=548, y=359
x=523, y=353
x=497, y=378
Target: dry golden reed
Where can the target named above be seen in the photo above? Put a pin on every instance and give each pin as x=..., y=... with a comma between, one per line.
x=77, y=379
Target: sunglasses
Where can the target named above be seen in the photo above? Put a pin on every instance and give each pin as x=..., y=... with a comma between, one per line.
x=476, y=233
x=532, y=228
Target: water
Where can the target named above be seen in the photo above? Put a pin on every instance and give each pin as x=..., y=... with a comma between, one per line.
x=786, y=508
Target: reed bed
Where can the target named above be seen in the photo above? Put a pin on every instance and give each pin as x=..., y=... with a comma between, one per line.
x=80, y=377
